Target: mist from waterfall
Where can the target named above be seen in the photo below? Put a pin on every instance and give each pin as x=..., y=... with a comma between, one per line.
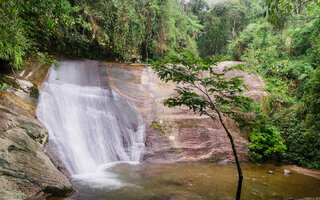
x=91, y=127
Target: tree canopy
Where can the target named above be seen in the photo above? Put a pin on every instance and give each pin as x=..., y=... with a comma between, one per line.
x=95, y=29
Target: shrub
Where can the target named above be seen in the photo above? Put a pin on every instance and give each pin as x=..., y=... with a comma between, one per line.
x=265, y=140
x=288, y=60
x=312, y=101
x=265, y=143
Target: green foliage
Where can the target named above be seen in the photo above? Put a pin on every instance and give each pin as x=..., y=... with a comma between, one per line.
x=287, y=59
x=125, y=30
x=306, y=42
x=284, y=55
x=3, y=83
x=129, y=29
x=222, y=23
x=34, y=92
x=264, y=143
x=13, y=42
x=278, y=11
x=286, y=113
x=311, y=99
x=258, y=44
x=3, y=87
x=255, y=10
x=155, y=125
x=265, y=140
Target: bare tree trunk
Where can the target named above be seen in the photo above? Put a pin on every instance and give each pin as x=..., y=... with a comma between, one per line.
x=240, y=175
x=234, y=28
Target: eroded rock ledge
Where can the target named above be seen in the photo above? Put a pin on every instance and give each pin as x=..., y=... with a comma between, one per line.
x=26, y=172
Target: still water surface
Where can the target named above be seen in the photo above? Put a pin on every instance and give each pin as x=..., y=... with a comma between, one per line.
x=183, y=181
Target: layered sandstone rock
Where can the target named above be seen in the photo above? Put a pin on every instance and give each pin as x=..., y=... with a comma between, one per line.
x=176, y=134
x=26, y=172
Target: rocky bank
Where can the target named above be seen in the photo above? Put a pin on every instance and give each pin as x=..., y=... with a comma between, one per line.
x=26, y=171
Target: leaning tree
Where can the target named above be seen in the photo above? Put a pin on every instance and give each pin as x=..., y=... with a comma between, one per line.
x=205, y=91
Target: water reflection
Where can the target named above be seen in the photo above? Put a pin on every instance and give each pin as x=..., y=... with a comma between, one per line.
x=182, y=181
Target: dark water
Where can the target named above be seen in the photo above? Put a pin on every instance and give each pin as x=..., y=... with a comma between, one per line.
x=182, y=181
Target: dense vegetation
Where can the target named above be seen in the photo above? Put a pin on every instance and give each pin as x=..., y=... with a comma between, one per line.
x=278, y=39
x=95, y=29
x=284, y=48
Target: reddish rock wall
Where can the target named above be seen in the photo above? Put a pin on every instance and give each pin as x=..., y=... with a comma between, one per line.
x=179, y=135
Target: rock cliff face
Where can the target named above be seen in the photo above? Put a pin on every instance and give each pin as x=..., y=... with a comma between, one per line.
x=172, y=134
x=176, y=134
x=26, y=172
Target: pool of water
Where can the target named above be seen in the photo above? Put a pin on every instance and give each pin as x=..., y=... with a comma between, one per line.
x=183, y=181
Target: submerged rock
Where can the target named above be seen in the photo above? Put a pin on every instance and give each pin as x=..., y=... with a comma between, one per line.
x=270, y=172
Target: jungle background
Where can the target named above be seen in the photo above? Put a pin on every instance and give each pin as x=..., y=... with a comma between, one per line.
x=279, y=40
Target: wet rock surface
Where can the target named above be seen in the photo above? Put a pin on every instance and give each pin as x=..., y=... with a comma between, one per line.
x=176, y=134
x=26, y=172
x=286, y=172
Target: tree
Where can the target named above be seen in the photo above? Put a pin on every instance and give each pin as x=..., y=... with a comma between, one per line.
x=197, y=7
x=279, y=10
x=99, y=29
x=205, y=92
x=221, y=24
x=13, y=43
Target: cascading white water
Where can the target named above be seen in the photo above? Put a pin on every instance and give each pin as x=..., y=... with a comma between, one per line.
x=90, y=126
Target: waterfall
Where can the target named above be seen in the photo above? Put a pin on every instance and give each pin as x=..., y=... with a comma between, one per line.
x=90, y=126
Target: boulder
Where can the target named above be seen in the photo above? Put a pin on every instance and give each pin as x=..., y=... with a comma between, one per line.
x=286, y=171
x=25, y=170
